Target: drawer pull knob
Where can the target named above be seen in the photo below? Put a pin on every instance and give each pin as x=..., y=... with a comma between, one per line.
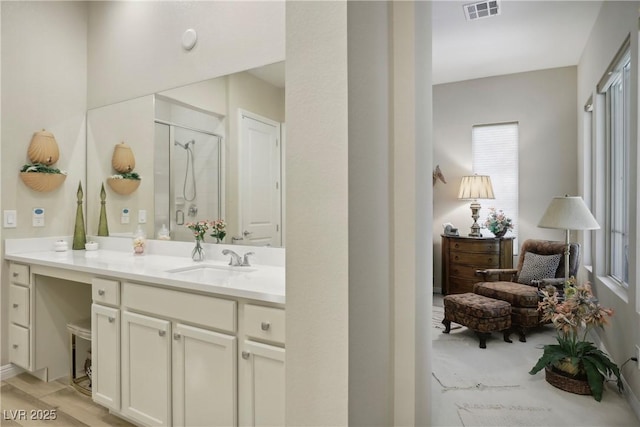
x=101, y=292
x=177, y=336
x=162, y=333
x=265, y=326
x=15, y=346
x=15, y=305
x=112, y=319
x=245, y=354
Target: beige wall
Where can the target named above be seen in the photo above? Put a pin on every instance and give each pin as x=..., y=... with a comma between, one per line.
x=616, y=21
x=543, y=104
x=135, y=47
x=44, y=74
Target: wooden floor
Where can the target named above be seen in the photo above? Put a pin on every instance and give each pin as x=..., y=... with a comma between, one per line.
x=27, y=401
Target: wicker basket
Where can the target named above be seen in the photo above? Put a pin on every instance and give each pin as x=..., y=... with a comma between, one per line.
x=565, y=383
x=41, y=181
x=123, y=186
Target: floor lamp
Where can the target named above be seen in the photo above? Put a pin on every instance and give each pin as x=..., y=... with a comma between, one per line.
x=568, y=213
x=475, y=187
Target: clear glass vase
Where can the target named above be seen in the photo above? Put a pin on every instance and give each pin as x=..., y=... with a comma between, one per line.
x=198, y=252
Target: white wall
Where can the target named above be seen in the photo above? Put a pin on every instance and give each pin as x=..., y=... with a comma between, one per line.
x=357, y=284
x=44, y=74
x=135, y=47
x=615, y=22
x=543, y=103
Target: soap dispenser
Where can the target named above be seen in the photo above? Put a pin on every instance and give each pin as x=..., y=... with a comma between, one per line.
x=139, y=241
x=163, y=234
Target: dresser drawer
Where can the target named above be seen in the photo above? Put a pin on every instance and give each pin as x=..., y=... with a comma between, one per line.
x=105, y=291
x=19, y=305
x=19, y=273
x=458, y=285
x=475, y=245
x=466, y=272
x=476, y=259
x=19, y=345
x=202, y=310
x=264, y=323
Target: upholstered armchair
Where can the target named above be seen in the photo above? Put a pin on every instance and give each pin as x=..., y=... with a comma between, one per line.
x=541, y=263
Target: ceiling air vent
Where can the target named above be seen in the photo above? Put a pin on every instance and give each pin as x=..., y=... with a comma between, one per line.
x=482, y=9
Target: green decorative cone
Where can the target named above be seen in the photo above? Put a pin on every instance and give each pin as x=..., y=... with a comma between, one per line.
x=103, y=227
x=79, y=235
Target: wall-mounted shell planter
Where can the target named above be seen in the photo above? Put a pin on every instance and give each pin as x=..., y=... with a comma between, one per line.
x=123, y=186
x=43, y=148
x=123, y=159
x=41, y=181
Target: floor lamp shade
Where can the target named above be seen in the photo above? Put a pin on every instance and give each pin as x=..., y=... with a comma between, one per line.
x=568, y=213
x=475, y=187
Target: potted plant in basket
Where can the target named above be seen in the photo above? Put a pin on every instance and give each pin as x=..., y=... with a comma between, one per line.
x=575, y=364
x=498, y=223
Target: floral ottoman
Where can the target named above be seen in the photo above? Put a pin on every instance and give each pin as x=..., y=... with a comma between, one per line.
x=481, y=314
x=523, y=299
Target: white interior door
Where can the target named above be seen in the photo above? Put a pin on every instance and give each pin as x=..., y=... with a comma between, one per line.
x=260, y=187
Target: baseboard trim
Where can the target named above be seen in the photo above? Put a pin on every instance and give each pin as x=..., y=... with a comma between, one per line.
x=10, y=370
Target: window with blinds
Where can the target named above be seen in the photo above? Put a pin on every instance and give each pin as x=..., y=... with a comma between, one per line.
x=495, y=153
x=615, y=85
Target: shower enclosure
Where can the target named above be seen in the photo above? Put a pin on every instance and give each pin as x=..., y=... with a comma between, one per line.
x=187, y=177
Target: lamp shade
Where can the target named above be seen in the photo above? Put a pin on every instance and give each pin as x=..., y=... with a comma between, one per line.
x=476, y=187
x=568, y=213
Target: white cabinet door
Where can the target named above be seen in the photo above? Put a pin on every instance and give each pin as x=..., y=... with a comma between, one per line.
x=262, y=388
x=105, y=355
x=146, y=369
x=204, y=378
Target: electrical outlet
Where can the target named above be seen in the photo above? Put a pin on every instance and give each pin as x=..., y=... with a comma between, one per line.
x=638, y=356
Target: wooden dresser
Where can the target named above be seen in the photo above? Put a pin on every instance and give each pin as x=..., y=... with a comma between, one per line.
x=462, y=256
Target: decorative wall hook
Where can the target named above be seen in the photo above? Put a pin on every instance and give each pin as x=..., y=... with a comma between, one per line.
x=437, y=175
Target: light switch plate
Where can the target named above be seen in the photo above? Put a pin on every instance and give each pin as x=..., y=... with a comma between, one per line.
x=10, y=219
x=142, y=216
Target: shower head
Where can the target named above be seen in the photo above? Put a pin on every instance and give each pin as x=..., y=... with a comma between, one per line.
x=186, y=144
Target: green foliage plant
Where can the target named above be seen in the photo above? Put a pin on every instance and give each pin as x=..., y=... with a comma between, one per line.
x=573, y=318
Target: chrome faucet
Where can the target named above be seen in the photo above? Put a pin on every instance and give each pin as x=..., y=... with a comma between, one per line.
x=236, y=260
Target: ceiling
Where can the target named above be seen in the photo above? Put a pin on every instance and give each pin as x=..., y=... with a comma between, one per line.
x=525, y=36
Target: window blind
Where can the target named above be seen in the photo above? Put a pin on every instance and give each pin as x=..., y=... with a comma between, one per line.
x=495, y=153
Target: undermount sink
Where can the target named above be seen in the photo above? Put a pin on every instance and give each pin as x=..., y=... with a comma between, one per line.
x=209, y=273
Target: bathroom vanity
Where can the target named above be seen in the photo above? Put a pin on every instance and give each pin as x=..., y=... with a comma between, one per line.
x=174, y=342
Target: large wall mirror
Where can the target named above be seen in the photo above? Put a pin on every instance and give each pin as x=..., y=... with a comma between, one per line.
x=208, y=150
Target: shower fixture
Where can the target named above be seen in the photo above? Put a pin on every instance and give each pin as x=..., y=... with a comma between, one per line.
x=187, y=146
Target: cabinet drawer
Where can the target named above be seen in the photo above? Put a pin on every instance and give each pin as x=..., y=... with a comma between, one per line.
x=466, y=272
x=459, y=285
x=19, y=346
x=476, y=245
x=105, y=291
x=19, y=273
x=491, y=260
x=264, y=323
x=19, y=305
x=202, y=310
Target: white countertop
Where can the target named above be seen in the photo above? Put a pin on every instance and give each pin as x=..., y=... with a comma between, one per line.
x=261, y=282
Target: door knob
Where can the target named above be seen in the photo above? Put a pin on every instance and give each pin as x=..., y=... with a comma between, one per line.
x=112, y=319
x=247, y=233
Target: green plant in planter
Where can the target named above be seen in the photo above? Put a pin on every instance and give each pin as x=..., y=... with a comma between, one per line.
x=573, y=318
x=127, y=175
x=41, y=168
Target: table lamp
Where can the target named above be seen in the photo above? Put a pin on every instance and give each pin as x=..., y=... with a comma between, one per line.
x=568, y=213
x=475, y=187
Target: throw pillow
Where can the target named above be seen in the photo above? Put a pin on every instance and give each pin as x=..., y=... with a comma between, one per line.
x=536, y=267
